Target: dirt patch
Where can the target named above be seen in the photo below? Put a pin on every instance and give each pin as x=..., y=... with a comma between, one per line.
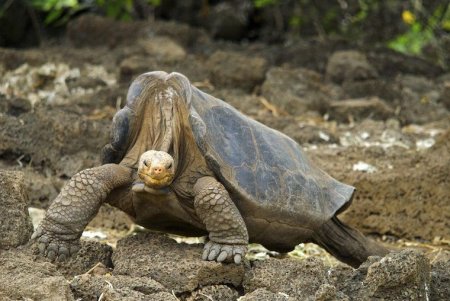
x=386, y=203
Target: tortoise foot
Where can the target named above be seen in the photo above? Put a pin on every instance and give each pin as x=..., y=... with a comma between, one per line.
x=53, y=246
x=224, y=252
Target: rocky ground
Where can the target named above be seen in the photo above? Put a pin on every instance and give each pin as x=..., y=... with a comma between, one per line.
x=372, y=118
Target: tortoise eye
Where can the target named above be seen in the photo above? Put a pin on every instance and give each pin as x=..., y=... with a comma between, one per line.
x=169, y=165
x=145, y=163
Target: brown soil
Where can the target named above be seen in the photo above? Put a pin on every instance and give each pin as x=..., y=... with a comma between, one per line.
x=379, y=122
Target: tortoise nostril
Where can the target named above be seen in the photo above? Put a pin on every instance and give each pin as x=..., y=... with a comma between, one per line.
x=157, y=170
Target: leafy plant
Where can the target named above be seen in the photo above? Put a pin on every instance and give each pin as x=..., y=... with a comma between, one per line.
x=263, y=3
x=421, y=33
x=117, y=9
x=57, y=11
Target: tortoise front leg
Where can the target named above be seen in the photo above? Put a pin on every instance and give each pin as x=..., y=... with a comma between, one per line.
x=76, y=205
x=228, y=236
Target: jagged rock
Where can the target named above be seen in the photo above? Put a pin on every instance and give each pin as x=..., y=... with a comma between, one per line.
x=178, y=267
x=93, y=30
x=163, y=49
x=233, y=69
x=109, y=217
x=229, y=20
x=90, y=287
x=74, y=135
x=137, y=64
x=184, y=34
x=91, y=253
x=214, y=292
x=358, y=109
x=296, y=91
x=445, y=95
x=262, y=294
x=22, y=278
x=349, y=65
x=389, y=63
x=399, y=276
x=384, y=89
x=112, y=294
x=15, y=223
x=298, y=279
x=419, y=100
x=440, y=276
x=328, y=292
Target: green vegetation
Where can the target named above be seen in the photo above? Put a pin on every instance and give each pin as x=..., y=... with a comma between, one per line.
x=406, y=26
x=421, y=32
x=58, y=12
x=264, y=3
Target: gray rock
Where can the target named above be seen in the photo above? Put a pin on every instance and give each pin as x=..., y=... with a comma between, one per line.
x=229, y=20
x=262, y=294
x=91, y=287
x=440, y=276
x=297, y=90
x=22, y=278
x=384, y=89
x=163, y=49
x=137, y=64
x=214, y=292
x=15, y=225
x=349, y=65
x=295, y=278
x=399, y=276
x=92, y=30
x=91, y=253
x=72, y=134
x=178, y=267
x=359, y=109
x=445, y=95
x=113, y=294
x=232, y=69
x=328, y=292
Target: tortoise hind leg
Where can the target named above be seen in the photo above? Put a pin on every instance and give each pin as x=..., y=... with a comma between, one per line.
x=346, y=244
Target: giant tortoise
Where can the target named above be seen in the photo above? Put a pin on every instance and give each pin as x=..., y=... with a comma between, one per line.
x=184, y=162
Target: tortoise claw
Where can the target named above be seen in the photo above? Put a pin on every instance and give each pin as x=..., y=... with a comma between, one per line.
x=53, y=247
x=223, y=252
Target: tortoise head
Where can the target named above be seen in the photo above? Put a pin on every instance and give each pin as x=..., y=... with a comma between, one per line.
x=156, y=169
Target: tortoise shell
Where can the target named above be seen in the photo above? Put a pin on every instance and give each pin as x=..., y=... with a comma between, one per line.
x=266, y=172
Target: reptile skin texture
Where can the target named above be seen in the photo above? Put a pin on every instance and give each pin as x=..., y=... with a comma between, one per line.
x=78, y=202
x=227, y=231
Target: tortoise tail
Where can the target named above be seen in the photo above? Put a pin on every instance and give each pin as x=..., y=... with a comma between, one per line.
x=346, y=244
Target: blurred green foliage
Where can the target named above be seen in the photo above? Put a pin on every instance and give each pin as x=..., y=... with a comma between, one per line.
x=407, y=26
x=264, y=3
x=421, y=31
x=58, y=12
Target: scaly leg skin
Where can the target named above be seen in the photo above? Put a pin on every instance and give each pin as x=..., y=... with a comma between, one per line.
x=228, y=236
x=57, y=236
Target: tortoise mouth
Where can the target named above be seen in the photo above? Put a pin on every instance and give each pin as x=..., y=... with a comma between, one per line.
x=156, y=182
x=141, y=187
